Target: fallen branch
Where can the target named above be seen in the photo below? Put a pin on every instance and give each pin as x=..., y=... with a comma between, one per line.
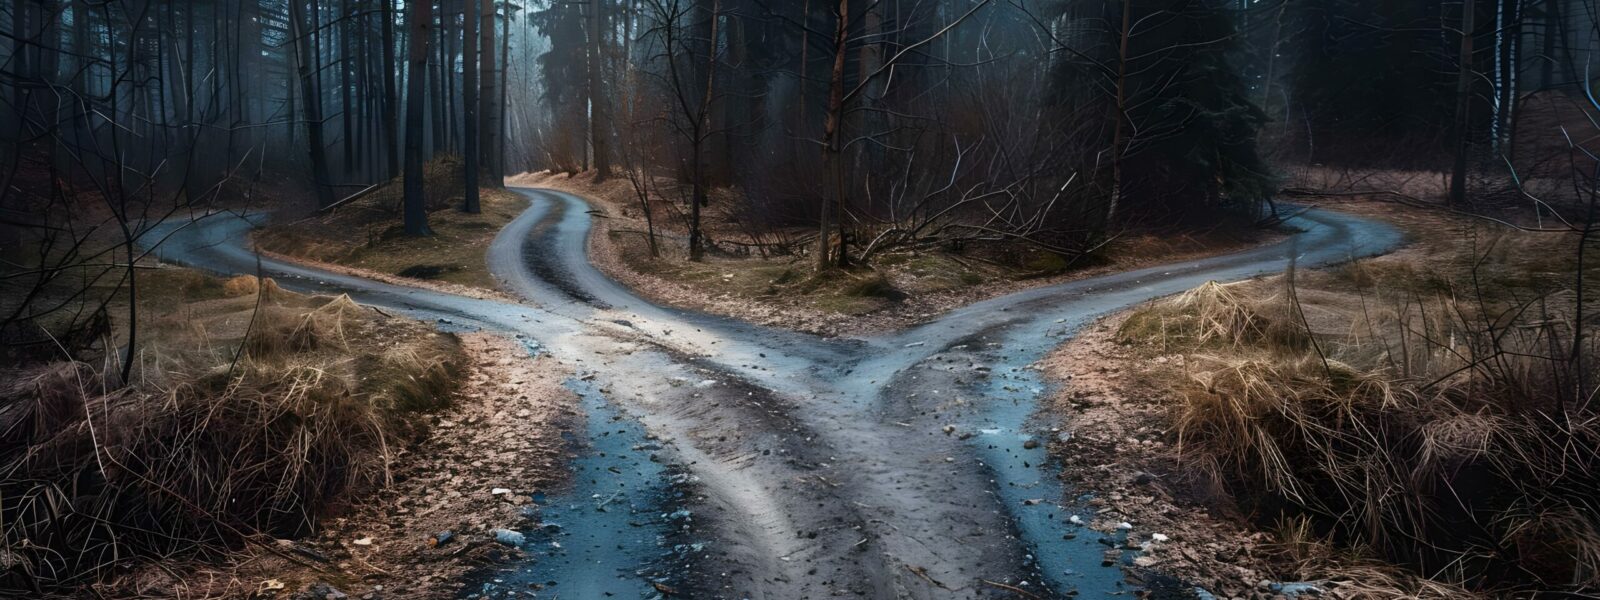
x=353, y=197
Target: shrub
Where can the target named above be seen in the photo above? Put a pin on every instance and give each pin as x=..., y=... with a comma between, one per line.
x=218, y=444
x=1451, y=432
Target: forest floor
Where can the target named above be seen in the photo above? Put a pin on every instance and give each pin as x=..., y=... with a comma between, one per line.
x=384, y=431
x=496, y=449
x=366, y=235
x=918, y=509
x=1122, y=392
x=899, y=289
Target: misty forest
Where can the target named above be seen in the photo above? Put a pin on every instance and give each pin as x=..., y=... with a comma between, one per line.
x=1168, y=299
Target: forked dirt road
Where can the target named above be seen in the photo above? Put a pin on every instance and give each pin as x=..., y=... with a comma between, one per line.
x=893, y=466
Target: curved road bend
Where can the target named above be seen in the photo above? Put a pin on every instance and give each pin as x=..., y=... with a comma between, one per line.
x=821, y=465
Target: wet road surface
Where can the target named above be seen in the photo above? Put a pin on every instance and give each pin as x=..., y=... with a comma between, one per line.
x=748, y=462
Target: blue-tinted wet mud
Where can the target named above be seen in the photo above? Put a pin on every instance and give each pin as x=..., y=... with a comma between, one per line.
x=617, y=531
x=1067, y=556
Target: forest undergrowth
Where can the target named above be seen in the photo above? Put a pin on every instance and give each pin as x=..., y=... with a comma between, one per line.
x=1433, y=408
x=254, y=415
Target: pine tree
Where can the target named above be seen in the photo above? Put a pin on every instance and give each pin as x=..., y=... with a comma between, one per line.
x=1167, y=103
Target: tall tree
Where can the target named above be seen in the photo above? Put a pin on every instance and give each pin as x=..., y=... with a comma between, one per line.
x=562, y=77
x=420, y=22
x=489, y=95
x=1171, y=108
x=391, y=97
x=599, y=121
x=702, y=132
x=310, y=93
x=832, y=145
x=469, y=102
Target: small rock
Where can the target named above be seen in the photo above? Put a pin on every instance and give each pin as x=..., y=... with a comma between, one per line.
x=365, y=541
x=1030, y=444
x=321, y=591
x=508, y=537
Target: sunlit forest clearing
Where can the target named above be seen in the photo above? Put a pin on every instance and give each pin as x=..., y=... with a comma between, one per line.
x=1167, y=299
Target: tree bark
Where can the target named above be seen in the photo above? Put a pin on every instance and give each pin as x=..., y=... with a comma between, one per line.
x=469, y=102
x=347, y=54
x=391, y=96
x=831, y=146
x=599, y=122
x=309, y=94
x=702, y=131
x=1119, y=134
x=420, y=21
x=502, y=109
x=489, y=95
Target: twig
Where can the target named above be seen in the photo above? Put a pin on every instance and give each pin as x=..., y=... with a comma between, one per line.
x=923, y=573
x=1012, y=589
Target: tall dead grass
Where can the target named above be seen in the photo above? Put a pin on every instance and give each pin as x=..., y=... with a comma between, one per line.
x=1443, y=420
x=247, y=423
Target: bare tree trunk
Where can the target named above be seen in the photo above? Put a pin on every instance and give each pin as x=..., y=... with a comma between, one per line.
x=831, y=146
x=420, y=21
x=489, y=97
x=805, y=61
x=502, y=109
x=450, y=45
x=702, y=131
x=438, y=98
x=391, y=97
x=346, y=55
x=1458, y=175
x=363, y=94
x=599, y=124
x=312, y=101
x=1119, y=135
x=469, y=102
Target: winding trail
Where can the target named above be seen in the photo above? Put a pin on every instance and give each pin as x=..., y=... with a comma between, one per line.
x=818, y=466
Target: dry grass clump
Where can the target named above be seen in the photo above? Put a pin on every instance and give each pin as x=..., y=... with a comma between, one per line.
x=242, y=285
x=1209, y=314
x=1445, y=423
x=245, y=423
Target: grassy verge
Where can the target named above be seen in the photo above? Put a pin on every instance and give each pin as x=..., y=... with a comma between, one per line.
x=1431, y=409
x=367, y=234
x=254, y=411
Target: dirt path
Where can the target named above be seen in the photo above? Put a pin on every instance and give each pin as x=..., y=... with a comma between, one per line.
x=897, y=466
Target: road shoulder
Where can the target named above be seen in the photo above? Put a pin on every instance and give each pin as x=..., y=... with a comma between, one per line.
x=495, y=450
x=900, y=290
